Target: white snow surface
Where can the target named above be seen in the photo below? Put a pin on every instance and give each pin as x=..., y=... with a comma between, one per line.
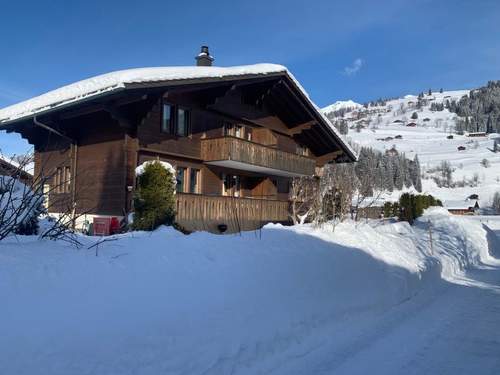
x=341, y=104
x=286, y=300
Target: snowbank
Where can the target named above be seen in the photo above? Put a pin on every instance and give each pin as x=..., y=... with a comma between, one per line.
x=163, y=302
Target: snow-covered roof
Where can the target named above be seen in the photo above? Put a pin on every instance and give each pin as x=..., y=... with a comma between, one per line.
x=119, y=80
x=460, y=205
x=27, y=167
x=113, y=81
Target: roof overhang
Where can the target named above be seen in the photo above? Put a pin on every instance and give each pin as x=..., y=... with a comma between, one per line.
x=324, y=133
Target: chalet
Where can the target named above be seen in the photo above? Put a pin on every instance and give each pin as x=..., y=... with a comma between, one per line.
x=12, y=168
x=476, y=134
x=236, y=136
x=466, y=207
x=392, y=152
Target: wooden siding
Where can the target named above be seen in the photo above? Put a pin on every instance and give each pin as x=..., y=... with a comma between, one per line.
x=201, y=212
x=236, y=149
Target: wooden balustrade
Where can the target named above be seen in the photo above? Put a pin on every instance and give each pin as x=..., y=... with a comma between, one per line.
x=243, y=151
x=205, y=212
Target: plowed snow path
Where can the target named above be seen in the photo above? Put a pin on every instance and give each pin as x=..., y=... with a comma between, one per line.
x=453, y=329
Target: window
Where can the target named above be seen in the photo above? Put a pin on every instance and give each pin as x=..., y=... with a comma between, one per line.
x=58, y=177
x=228, y=128
x=238, y=131
x=181, y=177
x=182, y=122
x=231, y=185
x=174, y=120
x=301, y=150
x=166, y=120
x=233, y=130
x=62, y=180
x=194, y=181
x=67, y=179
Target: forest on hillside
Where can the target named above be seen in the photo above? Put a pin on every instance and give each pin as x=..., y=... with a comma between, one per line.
x=479, y=111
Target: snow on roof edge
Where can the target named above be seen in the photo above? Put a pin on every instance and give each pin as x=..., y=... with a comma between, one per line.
x=109, y=82
x=112, y=81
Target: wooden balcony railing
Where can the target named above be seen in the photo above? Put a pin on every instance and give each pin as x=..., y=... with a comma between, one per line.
x=254, y=154
x=205, y=212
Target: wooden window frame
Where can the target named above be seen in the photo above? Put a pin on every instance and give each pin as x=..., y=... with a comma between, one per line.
x=171, y=119
x=62, y=180
x=185, y=169
x=197, y=189
x=173, y=126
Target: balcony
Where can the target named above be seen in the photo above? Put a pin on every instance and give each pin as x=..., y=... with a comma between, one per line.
x=197, y=212
x=237, y=153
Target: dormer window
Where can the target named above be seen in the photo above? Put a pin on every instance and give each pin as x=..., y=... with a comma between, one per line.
x=175, y=120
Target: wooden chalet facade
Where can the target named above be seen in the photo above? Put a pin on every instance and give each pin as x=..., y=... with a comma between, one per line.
x=236, y=136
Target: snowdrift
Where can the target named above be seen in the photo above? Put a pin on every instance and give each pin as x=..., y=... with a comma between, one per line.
x=174, y=304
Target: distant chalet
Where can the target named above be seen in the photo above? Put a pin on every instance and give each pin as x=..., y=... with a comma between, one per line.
x=13, y=169
x=236, y=136
x=466, y=207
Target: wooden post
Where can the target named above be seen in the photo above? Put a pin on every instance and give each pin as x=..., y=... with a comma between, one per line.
x=430, y=237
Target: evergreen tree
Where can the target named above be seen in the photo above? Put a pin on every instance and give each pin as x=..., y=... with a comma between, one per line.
x=154, y=200
x=388, y=209
x=416, y=174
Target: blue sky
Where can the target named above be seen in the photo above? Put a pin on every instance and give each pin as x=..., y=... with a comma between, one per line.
x=355, y=49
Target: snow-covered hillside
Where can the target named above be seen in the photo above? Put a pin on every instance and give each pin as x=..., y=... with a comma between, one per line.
x=418, y=129
x=342, y=104
x=166, y=303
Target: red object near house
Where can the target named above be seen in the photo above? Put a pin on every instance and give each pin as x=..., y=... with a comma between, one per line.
x=114, y=226
x=104, y=226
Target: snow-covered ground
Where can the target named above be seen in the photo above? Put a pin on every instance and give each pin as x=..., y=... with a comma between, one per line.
x=429, y=140
x=286, y=300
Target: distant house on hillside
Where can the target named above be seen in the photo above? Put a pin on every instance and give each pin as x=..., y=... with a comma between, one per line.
x=467, y=207
x=411, y=124
x=236, y=137
x=461, y=148
x=392, y=152
x=476, y=134
x=13, y=169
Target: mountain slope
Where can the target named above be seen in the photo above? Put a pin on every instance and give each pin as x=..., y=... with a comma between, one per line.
x=415, y=126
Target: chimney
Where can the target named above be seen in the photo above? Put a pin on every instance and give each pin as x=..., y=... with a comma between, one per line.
x=204, y=58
